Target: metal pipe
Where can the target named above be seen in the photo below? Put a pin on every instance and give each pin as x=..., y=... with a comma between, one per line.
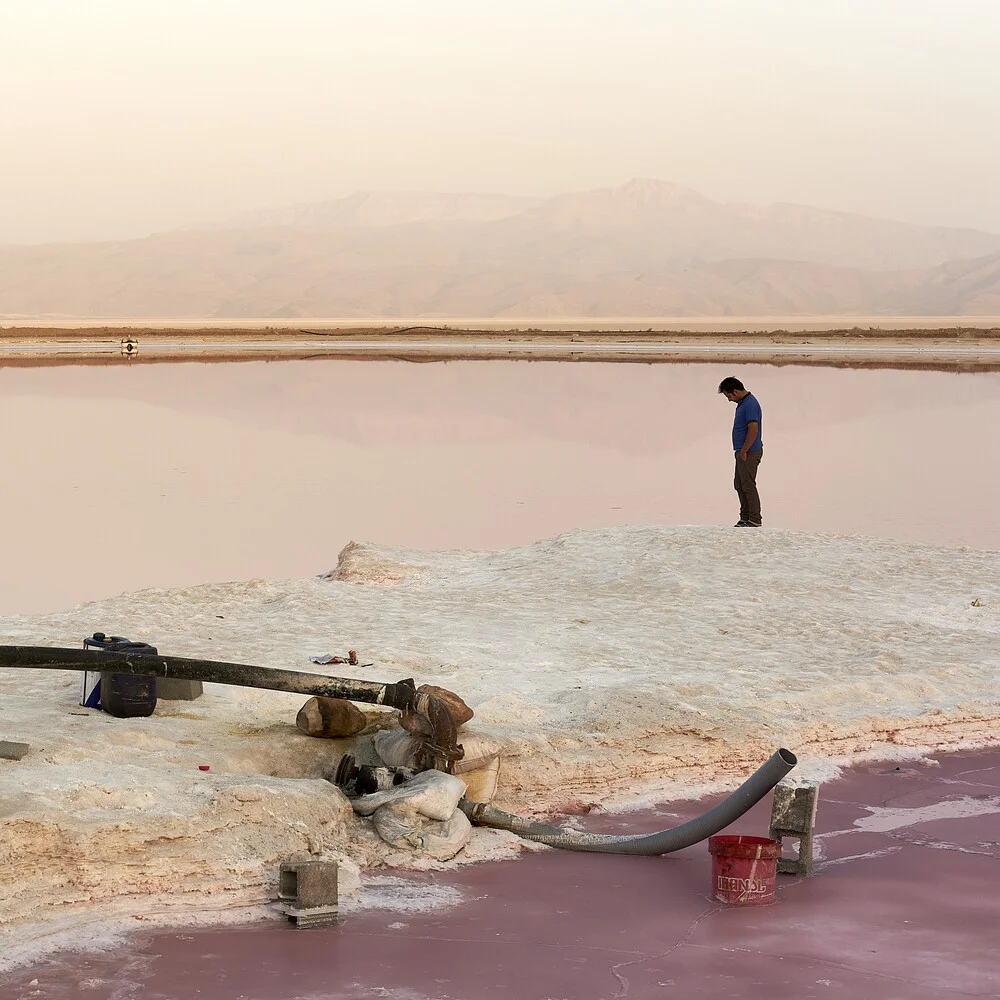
x=701, y=827
x=435, y=724
x=399, y=695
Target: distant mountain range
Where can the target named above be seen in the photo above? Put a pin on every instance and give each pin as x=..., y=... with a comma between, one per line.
x=647, y=248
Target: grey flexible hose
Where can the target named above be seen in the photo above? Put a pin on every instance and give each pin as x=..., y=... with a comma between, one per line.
x=701, y=827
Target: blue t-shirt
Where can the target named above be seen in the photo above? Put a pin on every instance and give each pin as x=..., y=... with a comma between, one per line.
x=747, y=409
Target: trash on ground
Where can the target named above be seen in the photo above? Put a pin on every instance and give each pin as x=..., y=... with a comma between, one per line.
x=351, y=658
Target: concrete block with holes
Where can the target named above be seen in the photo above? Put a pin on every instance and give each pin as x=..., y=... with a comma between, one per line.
x=793, y=816
x=307, y=892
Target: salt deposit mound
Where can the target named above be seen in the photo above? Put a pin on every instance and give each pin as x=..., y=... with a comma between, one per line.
x=608, y=663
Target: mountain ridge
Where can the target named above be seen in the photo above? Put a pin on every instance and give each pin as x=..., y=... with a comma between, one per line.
x=645, y=248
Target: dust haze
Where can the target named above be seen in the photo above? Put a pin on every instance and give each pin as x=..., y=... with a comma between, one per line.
x=306, y=159
x=123, y=119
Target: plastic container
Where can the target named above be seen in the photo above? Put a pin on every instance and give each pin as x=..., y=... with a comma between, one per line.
x=90, y=694
x=125, y=696
x=744, y=869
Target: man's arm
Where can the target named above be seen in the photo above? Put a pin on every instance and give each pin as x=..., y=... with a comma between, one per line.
x=750, y=438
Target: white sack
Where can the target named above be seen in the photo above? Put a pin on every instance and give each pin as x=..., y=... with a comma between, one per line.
x=432, y=794
x=404, y=828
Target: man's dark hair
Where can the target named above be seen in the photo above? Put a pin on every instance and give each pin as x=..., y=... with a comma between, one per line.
x=731, y=385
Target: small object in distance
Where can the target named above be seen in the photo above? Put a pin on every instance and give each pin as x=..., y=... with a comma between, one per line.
x=351, y=658
x=203, y=767
x=13, y=751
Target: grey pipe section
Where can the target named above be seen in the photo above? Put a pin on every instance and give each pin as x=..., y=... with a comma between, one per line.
x=706, y=825
x=399, y=695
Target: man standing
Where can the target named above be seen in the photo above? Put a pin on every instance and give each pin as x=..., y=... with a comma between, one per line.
x=748, y=446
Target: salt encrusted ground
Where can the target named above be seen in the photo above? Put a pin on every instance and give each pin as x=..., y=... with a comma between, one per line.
x=612, y=664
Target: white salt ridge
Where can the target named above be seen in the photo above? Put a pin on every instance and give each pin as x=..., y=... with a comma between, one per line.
x=616, y=666
x=398, y=895
x=882, y=820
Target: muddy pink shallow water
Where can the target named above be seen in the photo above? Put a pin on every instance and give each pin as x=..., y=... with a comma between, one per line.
x=117, y=478
x=906, y=911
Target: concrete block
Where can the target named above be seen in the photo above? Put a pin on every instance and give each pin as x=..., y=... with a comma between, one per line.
x=13, y=751
x=794, y=806
x=175, y=689
x=317, y=916
x=307, y=892
x=793, y=816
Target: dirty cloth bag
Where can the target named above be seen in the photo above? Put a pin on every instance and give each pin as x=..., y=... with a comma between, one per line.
x=433, y=794
x=403, y=828
x=421, y=814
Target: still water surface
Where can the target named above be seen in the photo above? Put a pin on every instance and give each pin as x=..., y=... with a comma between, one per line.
x=118, y=478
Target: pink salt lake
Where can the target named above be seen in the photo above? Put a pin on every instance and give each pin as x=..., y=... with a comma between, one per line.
x=904, y=913
x=119, y=478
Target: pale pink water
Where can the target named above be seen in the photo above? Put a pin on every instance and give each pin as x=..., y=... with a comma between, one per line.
x=117, y=478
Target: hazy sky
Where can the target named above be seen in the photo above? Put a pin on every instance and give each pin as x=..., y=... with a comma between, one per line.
x=122, y=117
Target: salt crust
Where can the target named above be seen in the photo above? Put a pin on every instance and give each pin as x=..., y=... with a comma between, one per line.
x=616, y=667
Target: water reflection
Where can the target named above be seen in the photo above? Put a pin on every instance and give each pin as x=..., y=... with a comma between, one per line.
x=118, y=478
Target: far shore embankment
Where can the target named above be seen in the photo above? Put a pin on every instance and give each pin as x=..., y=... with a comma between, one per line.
x=954, y=344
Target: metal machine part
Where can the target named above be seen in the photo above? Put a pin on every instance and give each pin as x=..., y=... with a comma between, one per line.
x=430, y=720
x=718, y=818
x=363, y=779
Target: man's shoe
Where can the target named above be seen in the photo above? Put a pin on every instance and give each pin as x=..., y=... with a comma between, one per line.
x=742, y=524
x=751, y=524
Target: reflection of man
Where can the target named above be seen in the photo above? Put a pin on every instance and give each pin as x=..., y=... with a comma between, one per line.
x=749, y=448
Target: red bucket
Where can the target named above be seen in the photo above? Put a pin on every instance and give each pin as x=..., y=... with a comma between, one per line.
x=744, y=869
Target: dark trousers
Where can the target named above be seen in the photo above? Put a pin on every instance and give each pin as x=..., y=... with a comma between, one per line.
x=745, y=484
